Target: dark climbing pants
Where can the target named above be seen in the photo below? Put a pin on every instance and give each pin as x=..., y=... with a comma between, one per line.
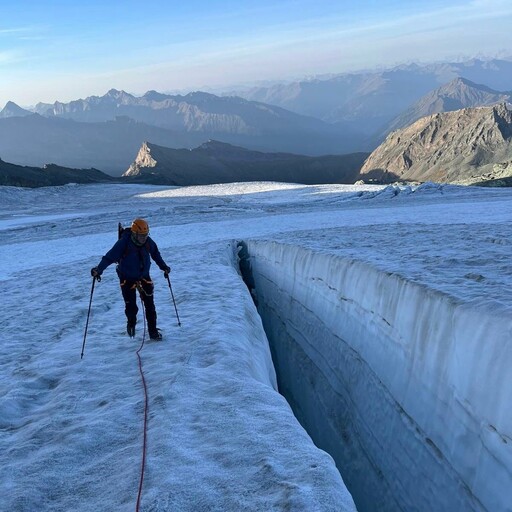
x=129, y=291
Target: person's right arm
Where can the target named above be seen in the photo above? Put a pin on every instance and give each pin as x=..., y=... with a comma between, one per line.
x=112, y=256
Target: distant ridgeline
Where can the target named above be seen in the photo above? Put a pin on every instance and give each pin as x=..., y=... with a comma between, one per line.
x=49, y=175
x=218, y=162
x=210, y=163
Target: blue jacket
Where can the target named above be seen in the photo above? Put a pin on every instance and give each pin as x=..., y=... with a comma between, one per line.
x=133, y=260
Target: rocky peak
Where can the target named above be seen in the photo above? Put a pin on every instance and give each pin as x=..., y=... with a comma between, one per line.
x=11, y=105
x=114, y=93
x=144, y=159
x=463, y=84
x=13, y=110
x=119, y=97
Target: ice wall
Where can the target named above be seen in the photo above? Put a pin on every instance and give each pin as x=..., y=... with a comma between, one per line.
x=408, y=390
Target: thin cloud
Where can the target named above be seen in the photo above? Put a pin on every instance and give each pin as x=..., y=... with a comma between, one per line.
x=32, y=38
x=16, y=30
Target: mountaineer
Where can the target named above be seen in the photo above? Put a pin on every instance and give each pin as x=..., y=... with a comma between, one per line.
x=133, y=253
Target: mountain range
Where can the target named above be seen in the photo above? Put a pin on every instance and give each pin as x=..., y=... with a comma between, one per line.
x=366, y=103
x=348, y=113
x=195, y=112
x=106, y=132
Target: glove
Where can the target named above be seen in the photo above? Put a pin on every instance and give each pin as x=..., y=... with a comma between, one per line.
x=95, y=273
x=167, y=270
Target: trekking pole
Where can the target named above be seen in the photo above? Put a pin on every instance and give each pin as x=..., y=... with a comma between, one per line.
x=174, y=302
x=88, y=314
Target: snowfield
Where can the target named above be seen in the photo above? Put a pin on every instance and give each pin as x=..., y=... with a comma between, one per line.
x=388, y=312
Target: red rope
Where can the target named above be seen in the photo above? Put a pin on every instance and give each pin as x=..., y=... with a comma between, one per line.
x=143, y=465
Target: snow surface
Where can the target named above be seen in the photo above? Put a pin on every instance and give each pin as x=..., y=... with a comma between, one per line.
x=220, y=438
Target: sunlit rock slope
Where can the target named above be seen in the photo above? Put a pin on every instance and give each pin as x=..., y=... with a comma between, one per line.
x=451, y=147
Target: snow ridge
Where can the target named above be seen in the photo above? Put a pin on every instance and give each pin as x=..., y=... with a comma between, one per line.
x=404, y=386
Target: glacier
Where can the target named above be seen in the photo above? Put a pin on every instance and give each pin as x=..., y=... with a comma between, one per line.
x=388, y=313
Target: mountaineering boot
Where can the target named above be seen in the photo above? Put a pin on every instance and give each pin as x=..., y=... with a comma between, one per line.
x=130, y=328
x=155, y=335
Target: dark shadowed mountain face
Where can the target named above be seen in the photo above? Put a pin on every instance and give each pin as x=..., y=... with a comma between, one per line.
x=50, y=175
x=110, y=146
x=217, y=162
x=471, y=145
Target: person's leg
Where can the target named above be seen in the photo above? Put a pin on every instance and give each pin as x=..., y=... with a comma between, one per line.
x=128, y=289
x=149, y=305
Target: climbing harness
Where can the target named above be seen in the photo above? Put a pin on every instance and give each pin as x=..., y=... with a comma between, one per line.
x=140, y=287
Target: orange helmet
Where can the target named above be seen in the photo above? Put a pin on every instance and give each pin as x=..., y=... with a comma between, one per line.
x=140, y=227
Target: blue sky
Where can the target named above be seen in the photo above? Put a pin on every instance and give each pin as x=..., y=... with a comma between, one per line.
x=64, y=50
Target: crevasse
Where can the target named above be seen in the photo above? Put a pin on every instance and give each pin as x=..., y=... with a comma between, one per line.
x=408, y=389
